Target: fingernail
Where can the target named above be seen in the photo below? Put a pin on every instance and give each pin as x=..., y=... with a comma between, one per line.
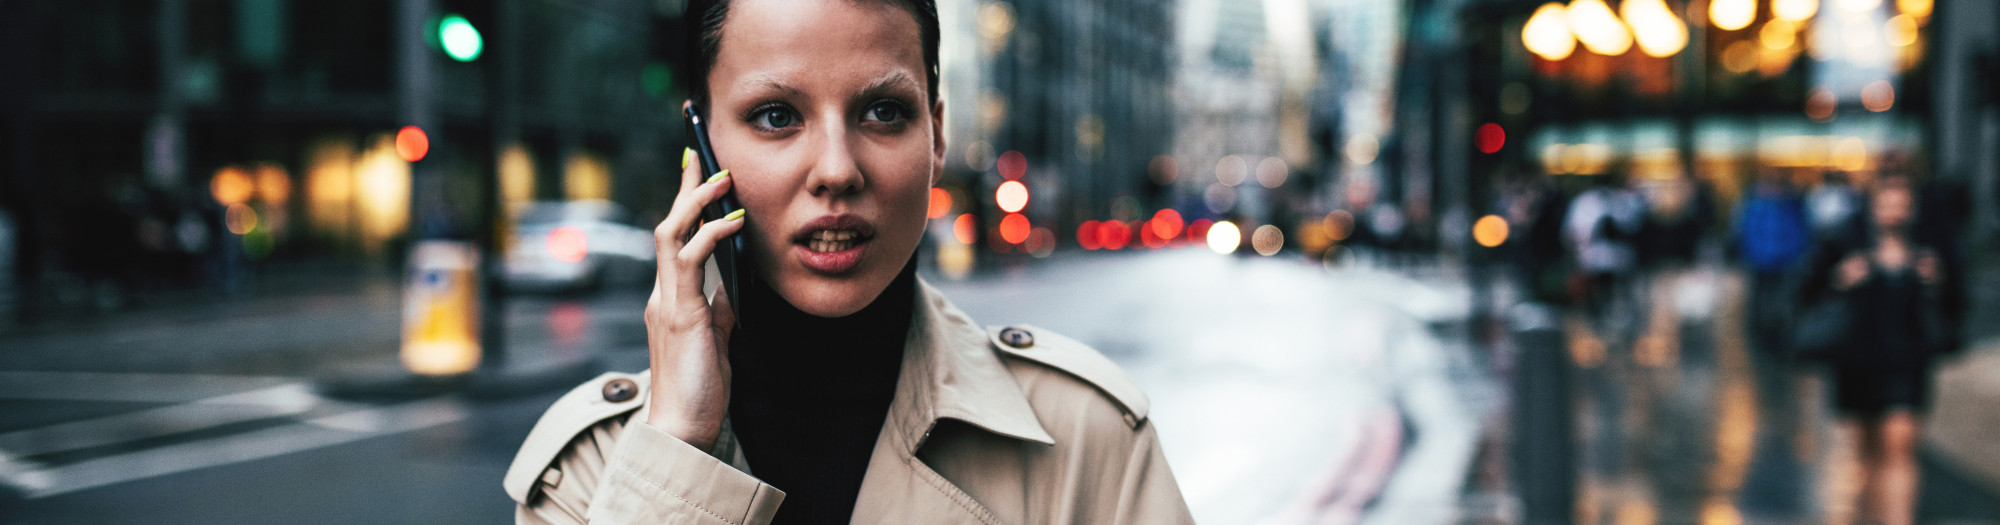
x=738, y=214
x=687, y=157
x=718, y=176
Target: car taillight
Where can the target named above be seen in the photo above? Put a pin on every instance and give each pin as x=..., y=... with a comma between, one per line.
x=568, y=244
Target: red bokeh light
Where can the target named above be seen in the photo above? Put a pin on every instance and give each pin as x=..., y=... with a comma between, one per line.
x=1087, y=236
x=940, y=202
x=1198, y=231
x=412, y=144
x=1012, y=196
x=568, y=244
x=1012, y=165
x=1166, y=224
x=1149, y=235
x=1114, y=235
x=1014, y=228
x=1490, y=138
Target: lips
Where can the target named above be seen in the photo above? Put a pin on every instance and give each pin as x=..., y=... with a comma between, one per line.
x=833, y=244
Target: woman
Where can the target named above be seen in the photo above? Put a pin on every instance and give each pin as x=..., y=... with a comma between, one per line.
x=1891, y=286
x=850, y=390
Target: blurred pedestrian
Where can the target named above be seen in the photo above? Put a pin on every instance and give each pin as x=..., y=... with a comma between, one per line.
x=1834, y=209
x=1773, y=237
x=1600, y=228
x=1890, y=285
x=1680, y=212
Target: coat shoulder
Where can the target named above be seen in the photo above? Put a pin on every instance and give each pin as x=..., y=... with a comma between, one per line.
x=608, y=396
x=1081, y=368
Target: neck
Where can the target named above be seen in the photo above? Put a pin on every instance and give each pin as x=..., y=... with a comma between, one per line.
x=777, y=346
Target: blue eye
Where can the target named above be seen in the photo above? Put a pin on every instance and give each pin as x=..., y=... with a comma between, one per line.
x=777, y=118
x=886, y=112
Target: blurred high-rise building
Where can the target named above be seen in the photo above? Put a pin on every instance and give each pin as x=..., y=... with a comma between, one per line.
x=171, y=143
x=1079, y=90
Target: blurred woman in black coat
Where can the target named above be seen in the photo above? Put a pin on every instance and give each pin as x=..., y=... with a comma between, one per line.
x=1891, y=285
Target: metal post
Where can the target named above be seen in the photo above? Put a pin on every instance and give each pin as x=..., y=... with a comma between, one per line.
x=1544, y=430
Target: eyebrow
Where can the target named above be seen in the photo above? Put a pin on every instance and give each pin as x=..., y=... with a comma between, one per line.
x=773, y=84
x=888, y=83
x=881, y=86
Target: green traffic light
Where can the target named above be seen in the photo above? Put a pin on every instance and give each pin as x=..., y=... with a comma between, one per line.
x=460, y=39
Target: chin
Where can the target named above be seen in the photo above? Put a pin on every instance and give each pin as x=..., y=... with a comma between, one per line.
x=834, y=297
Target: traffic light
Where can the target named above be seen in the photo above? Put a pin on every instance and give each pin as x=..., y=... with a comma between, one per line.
x=460, y=40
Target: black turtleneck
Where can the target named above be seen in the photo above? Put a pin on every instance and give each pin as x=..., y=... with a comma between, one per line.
x=809, y=394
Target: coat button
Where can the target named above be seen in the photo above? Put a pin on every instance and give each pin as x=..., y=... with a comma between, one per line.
x=1016, y=337
x=620, y=390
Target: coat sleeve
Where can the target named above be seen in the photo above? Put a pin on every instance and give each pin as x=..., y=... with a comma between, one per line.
x=1149, y=493
x=619, y=472
x=591, y=459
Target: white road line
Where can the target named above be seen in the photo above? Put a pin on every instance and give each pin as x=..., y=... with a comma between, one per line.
x=283, y=400
x=155, y=388
x=38, y=481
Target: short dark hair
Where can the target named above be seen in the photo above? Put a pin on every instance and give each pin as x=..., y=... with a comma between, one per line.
x=706, y=40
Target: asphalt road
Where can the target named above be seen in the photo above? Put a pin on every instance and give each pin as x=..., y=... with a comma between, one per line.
x=1282, y=391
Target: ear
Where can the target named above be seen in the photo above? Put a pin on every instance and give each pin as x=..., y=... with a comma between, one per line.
x=937, y=140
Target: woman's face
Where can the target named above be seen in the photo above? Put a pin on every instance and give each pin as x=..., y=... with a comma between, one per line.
x=819, y=111
x=1893, y=207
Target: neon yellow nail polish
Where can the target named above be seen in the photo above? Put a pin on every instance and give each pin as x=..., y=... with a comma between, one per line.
x=738, y=214
x=687, y=157
x=718, y=176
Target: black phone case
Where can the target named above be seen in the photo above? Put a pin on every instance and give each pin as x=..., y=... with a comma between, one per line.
x=730, y=252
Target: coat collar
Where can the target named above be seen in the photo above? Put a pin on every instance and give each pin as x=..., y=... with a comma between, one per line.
x=950, y=373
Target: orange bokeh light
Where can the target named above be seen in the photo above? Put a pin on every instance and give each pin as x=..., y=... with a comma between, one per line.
x=231, y=186
x=1014, y=228
x=1012, y=196
x=1490, y=231
x=940, y=202
x=412, y=144
x=964, y=229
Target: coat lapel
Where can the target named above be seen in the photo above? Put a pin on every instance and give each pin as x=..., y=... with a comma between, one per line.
x=947, y=372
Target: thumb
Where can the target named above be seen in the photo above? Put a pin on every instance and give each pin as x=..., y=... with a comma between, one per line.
x=721, y=317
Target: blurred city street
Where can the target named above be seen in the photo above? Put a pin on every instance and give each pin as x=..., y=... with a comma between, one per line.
x=97, y=432
x=1494, y=262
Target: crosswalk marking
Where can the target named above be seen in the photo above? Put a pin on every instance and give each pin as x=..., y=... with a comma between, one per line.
x=202, y=402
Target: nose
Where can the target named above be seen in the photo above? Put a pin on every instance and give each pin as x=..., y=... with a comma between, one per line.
x=836, y=173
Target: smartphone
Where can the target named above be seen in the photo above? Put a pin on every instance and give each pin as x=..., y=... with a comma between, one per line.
x=730, y=252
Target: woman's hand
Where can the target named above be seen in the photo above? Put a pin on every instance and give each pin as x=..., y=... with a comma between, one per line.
x=687, y=336
x=1928, y=268
x=1852, y=271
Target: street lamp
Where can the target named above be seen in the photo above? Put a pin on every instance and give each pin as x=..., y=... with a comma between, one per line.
x=1546, y=35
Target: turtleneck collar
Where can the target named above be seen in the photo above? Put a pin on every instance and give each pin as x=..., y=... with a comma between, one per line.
x=777, y=341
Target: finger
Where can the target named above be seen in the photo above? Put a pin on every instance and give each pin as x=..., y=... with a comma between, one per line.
x=693, y=255
x=671, y=233
x=690, y=170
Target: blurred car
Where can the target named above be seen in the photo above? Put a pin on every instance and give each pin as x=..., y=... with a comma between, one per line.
x=576, y=246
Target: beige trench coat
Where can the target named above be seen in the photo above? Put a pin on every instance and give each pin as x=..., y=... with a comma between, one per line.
x=1015, y=425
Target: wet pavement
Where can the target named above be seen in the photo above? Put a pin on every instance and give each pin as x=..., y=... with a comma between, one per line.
x=1681, y=419
x=1284, y=391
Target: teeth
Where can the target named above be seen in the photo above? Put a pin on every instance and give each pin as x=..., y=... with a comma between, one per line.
x=832, y=240
x=833, y=235
x=828, y=246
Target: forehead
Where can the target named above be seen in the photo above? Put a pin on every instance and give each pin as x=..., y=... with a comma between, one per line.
x=807, y=43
